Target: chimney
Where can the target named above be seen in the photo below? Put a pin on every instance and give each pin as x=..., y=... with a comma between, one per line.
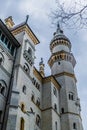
x=9, y=22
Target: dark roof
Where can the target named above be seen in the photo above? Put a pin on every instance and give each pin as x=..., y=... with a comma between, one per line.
x=8, y=33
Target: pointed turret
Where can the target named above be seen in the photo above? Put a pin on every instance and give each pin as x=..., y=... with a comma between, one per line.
x=41, y=68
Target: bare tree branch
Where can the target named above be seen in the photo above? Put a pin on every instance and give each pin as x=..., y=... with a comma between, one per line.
x=73, y=15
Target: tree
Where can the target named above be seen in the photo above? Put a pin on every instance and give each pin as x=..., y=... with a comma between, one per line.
x=71, y=13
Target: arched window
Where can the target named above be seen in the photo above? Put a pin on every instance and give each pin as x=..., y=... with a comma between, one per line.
x=55, y=91
x=32, y=96
x=74, y=125
x=38, y=120
x=55, y=107
x=56, y=125
x=3, y=87
x=24, y=89
x=62, y=110
x=71, y=96
x=22, y=123
x=22, y=107
x=1, y=58
x=38, y=102
x=26, y=68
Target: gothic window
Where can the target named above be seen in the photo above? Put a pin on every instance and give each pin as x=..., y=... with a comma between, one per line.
x=26, y=68
x=55, y=107
x=3, y=87
x=22, y=123
x=74, y=125
x=62, y=110
x=55, y=91
x=32, y=96
x=24, y=89
x=38, y=120
x=71, y=96
x=22, y=107
x=38, y=102
x=1, y=58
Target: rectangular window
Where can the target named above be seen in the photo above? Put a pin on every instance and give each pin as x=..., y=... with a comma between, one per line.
x=56, y=125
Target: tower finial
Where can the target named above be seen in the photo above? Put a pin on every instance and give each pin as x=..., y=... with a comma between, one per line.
x=58, y=25
x=27, y=17
x=58, y=28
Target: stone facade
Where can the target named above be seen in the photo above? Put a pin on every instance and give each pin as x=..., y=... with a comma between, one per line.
x=28, y=99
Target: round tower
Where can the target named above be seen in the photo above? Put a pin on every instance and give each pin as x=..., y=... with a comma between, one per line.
x=61, y=60
x=62, y=63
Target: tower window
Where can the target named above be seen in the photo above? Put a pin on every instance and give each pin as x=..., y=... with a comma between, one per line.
x=32, y=97
x=55, y=107
x=21, y=124
x=22, y=107
x=0, y=115
x=56, y=125
x=55, y=91
x=74, y=125
x=38, y=120
x=59, y=63
x=71, y=96
x=38, y=102
x=24, y=89
x=62, y=110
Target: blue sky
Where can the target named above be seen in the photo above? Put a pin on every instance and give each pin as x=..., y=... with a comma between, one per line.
x=40, y=22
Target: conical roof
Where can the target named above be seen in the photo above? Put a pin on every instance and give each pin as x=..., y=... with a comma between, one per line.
x=59, y=34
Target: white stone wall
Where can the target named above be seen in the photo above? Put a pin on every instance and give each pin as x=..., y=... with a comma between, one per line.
x=60, y=48
x=64, y=66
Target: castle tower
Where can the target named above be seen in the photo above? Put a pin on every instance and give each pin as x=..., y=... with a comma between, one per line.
x=62, y=63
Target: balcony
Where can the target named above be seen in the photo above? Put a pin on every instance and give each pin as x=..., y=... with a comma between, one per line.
x=28, y=57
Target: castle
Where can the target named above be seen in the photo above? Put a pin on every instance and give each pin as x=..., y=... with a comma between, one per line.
x=28, y=99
